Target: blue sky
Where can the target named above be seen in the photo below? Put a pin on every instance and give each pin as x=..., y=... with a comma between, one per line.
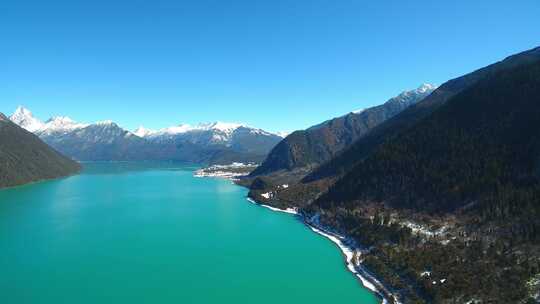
x=278, y=65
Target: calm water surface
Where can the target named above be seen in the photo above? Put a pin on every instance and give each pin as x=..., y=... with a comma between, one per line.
x=152, y=233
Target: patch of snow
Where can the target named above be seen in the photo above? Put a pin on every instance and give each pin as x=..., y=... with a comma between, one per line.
x=425, y=273
x=267, y=195
x=288, y=210
x=419, y=229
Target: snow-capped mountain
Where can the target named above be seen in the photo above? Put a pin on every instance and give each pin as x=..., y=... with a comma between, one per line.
x=223, y=131
x=239, y=137
x=320, y=143
x=24, y=118
x=105, y=140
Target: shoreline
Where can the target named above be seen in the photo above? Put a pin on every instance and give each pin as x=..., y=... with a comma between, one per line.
x=347, y=246
x=367, y=280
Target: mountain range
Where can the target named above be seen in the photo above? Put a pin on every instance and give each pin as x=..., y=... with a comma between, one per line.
x=444, y=196
x=212, y=143
x=304, y=150
x=25, y=158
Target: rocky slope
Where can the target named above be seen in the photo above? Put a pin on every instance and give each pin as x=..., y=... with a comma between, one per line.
x=25, y=158
x=318, y=144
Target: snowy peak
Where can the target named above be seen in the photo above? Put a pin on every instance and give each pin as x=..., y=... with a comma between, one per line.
x=282, y=134
x=425, y=87
x=413, y=96
x=57, y=124
x=143, y=132
x=179, y=129
x=61, y=120
x=219, y=126
x=61, y=124
x=24, y=118
x=22, y=112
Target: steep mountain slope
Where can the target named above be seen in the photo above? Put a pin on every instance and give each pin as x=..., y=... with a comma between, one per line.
x=215, y=143
x=467, y=176
x=320, y=143
x=445, y=195
x=25, y=158
x=393, y=127
x=100, y=141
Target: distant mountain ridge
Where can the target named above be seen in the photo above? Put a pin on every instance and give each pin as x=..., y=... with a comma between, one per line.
x=25, y=158
x=319, y=143
x=211, y=142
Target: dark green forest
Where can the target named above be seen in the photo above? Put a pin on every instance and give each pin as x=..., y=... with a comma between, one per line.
x=473, y=163
x=25, y=158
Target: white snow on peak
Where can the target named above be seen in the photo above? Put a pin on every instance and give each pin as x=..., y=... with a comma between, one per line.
x=62, y=123
x=181, y=128
x=220, y=131
x=218, y=125
x=425, y=87
x=225, y=127
x=143, y=132
x=358, y=111
x=64, y=120
x=24, y=118
x=282, y=134
x=174, y=130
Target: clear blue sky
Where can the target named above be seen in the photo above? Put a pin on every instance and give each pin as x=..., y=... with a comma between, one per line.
x=278, y=65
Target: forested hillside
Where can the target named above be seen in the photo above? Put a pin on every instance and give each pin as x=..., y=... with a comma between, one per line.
x=471, y=169
x=318, y=144
x=445, y=196
x=25, y=158
x=393, y=127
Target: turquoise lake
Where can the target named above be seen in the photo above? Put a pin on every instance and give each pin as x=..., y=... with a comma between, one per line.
x=153, y=233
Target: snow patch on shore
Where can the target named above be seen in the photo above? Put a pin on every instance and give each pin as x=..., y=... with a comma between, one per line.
x=288, y=210
x=348, y=252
